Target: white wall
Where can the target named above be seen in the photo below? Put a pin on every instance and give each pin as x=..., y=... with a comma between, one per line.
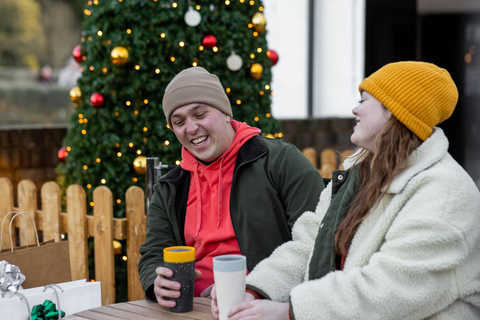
x=338, y=57
x=287, y=23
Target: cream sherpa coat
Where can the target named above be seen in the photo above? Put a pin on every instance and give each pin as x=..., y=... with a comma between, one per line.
x=415, y=256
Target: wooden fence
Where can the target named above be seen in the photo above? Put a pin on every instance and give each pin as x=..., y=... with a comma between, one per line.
x=329, y=161
x=102, y=226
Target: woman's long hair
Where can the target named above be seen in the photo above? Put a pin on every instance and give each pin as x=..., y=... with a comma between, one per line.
x=393, y=146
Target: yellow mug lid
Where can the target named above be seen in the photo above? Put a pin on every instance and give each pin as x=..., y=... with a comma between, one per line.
x=179, y=254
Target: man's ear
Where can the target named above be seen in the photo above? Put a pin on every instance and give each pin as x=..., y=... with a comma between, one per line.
x=229, y=119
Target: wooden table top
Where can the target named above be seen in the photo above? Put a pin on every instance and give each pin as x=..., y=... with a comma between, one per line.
x=144, y=310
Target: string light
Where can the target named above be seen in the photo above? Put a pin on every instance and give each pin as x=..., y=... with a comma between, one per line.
x=167, y=142
x=87, y=12
x=117, y=144
x=268, y=115
x=104, y=70
x=137, y=67
x=98, y=160
x=262, y=93
x=145, y=101
x=91, y=68
x=228, y=90
x=139, y=151
x=252, y=2
x=119, y=154
x=124, y=258
x=89, y=38
x=136, y=112
x=239, y=101
x=84, y=131
x=255, y=33
x=91, y=204
x=194, y=64
x=162, y=35
x=250, y=25
x=174, y=4
x=119, y=201
x=172, y=59
x=145, y=129
x=134, y=179
x=200, y=48
x=227, y=2
x=85, y=167
x=116, y=114
x=69, y=149
x=197, y=7
x=252, y=56
x=181, y=44
x=95, y=2
x=130, y=144
x=103, y=181
x=80, y=115
x=267, y=87
x=242, y=1
x=260, y=8
x=128, y=103
x=256, y=118
x=157, y=71
x=89, y=186
x=177, y=162
x=99, y=33
x=215, y=49
x=259, y=50
x=280, y=135
x=129, y=31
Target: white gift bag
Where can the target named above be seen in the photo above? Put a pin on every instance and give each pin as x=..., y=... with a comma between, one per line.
x=73, y=297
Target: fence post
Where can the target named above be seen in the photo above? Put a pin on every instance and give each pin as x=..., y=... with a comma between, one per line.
x=27, y=202
x=103, y=243
x=6, y=205
x=77, y=231
x=51, y=219
x=136, y=229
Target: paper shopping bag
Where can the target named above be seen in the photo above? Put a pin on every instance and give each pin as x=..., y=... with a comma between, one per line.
x=70, y=297
x=44, y=263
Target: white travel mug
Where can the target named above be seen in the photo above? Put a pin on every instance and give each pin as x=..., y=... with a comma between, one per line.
x=229, y=272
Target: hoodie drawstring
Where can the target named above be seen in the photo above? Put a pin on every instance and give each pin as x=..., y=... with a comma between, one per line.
x=219, y=211
x=199, y=200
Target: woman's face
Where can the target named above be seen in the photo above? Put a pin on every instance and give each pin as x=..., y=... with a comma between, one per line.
x=371, y=117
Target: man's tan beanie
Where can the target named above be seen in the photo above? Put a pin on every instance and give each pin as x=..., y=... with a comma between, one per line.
x=195, y=85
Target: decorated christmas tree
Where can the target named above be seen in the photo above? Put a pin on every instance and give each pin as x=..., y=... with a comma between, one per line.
x=130, y=51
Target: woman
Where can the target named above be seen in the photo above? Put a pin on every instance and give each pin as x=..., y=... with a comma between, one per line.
x=395, y=235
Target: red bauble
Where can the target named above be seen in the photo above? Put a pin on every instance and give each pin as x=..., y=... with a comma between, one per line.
x=77, y=53
x=273, y=56
x=62, y=154
x=209, y=41
x=97, y=100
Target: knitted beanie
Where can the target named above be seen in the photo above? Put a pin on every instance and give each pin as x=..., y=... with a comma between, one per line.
x=195, y=85
x=419, y=94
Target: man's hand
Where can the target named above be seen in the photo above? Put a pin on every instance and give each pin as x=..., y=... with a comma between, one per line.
x=165, y=289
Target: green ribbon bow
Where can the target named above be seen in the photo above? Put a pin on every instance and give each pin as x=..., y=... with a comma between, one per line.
x=46, y=311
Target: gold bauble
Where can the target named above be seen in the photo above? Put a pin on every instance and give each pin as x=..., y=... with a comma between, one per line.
x=256, y=70
x=75, y=94
x=140, y=164
x=119, y=56
x=259, y=22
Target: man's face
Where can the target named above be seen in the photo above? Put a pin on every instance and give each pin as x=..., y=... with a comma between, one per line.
x=203, y=130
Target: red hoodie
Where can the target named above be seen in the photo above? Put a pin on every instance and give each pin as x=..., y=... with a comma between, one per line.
x=208, y=226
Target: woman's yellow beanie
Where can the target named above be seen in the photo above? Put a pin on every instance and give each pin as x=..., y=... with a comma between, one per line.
x=419, y=94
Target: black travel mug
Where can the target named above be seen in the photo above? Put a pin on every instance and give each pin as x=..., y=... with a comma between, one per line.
x=181, y=260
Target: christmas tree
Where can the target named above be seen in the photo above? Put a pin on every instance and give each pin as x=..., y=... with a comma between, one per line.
x=130, y=51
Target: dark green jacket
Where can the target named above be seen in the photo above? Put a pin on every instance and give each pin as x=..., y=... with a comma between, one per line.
x=273, y=184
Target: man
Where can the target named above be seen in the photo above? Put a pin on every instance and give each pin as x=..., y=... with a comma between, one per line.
x=235, y=192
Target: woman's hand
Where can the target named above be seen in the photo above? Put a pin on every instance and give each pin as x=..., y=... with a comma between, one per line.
x=259, y=309
x=165, y=289
x=248, y=298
